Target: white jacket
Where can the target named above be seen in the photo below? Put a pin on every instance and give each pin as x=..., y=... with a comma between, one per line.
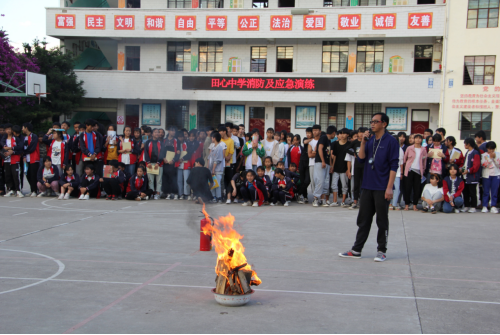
x=491, y=167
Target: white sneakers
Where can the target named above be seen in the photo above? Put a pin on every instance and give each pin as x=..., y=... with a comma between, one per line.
x=42, y=194
x=228, y=202
x=9, y=194
x=286, y=204
x=255, y=204
x=494, y=210
x=248, y=203
x=66, y=197
x=33, y=195
x=176, y=197
x=20, y=195
x=485, y=210
x=61, y=197
x=472, y=210
x=464, y=209
x=190, y=198
x=84, y=197
x=235, y=201
x=81, y=197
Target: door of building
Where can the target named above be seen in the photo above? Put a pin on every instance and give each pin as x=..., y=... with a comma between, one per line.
x=282, y=117
x=257, y=120
x=419, y=120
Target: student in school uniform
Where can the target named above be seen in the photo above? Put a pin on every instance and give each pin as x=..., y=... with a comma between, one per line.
x=183, y=165
x=216, y=164
x=137, y=188
x=266, y=181
x=169, y=182
x=14, y=147
x=90, y=146
x=253, y=191
x=113, y=186
x=282, y=188
x=200, y=180
x=89, y=184
x=254, y=151
x=110, y=147
x=75, y=151
x=57, y=149
x=490, y=176
x=31, y=156
x=153, y=151
x=17, y=132
x=294, y=176
x=453, y=186
x=471, y=172
x=123, y=168
x=294, y=152
x=415, y=162
x=100, y=131
x=69, y=183
x=48, y=178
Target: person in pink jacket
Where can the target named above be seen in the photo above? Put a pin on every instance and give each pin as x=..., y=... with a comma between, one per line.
x=415, y=163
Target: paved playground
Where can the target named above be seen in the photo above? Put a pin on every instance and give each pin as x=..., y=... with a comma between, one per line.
x=134, y=267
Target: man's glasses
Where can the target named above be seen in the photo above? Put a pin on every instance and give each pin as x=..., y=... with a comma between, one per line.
x=375, y=122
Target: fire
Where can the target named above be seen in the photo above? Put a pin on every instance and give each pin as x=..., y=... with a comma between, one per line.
x=227, y=243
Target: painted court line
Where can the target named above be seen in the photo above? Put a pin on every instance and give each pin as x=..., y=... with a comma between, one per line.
x=92, y=317
x=20, y=214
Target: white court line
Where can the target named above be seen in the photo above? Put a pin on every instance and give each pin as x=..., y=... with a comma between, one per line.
x=276, y=291
x=19, y=214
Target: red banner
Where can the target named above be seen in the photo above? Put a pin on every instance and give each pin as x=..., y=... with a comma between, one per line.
x=185, y=23
x=95, y=22
x=248, y=22
x=384, y=21
x=281, y=22
x=65, y=21
x=419, y=20
x=154, y=23
x=314, y=22
x=124, y=22
x=349, y=21
x=216, y=23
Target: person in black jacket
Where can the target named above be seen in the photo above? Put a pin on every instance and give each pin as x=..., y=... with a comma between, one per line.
x=137, y=188
x=69, y=183
x=200, y=180
x=89, y=184
x=48, y=178
x=266, y=181
x=282, y=188
x=113, y=186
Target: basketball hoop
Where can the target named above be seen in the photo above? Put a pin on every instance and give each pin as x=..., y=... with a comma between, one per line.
x=39, y=96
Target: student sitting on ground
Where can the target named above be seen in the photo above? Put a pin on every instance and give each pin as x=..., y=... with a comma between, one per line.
x=234, y=188
x=113, y=186
x=137, y=188
x=282, y=188
x=453, y=187
x=125, y=171
x=265, y=180
x=69, y=183
x=48, y=178
x=200, y=181
x=432, y=196
x=269, y=168
x=253, y=192
x=89, y=184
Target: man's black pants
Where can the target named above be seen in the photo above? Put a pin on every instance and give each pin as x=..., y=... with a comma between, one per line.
x=169, y=180
x=305, y=179
x=358, y=181
x=12, y=178
x=32, y=176
x=372, y=202
x=112, y=187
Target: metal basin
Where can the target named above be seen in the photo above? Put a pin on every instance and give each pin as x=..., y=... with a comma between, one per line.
x=232, y=300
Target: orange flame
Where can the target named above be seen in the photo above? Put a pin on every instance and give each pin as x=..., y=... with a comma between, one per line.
x=225, y=238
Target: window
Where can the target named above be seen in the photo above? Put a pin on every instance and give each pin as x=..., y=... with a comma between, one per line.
x=238, y=4
x=471, y=122
x=179, y=56
x=426, y=2
x=260, y=4
x=179, y=4
x=133, y=3
x=178, y=113
x=210, y=57
x=482, y=14
x=132, y=116
x=284, y=59
x=282, y=117
x=371, y=2
x=212, y=4
x=423, y=58
x=133, y=58
x=209, y=114
x=286, y=3
x=479, y=70
x=370, y=56
x=259, y=59
x=339, y=3
x=363, y=114
x=332, y=115
x=335, y=56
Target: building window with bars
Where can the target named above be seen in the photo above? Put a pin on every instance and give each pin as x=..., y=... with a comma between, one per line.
x=370, y=56
x=363, y=114
x=260, y=4
x=335, y=56
x=259, y=59
x=479, y=70
x=178, y=113
x=133, y=58
x=210, y=56
x=332, y=115
x=212, y=4
x=472, y=122
x=286, y=3
x=179, y=56
x=284, y=59
x=482, y=14
x=423, y=58
x=179, y=4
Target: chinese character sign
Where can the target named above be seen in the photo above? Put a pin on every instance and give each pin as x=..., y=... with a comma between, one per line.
x=349, y=21
x=216, y=23
x=281, y=22
x=65, y=21
x=95, y=22
x=419, y=20
x=397, y=118
x=154, y=23
x=384, y=21
x=185, y=23
x=124, y=22
x=314, y=22
x=248, y=22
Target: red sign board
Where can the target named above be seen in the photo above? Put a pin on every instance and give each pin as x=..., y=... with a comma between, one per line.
x=248, y=22
x=185, y=23
x=384, y=21
x=124, y=22
x=95, y=22
x=281, y=22
x=154, y=23
x=314, y=22
x=216, y=23
x=120, y=119
x=65, y=21
x=349, y=21
x=419, y=20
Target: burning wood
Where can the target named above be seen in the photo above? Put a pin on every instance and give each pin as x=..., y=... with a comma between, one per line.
x=234, y=274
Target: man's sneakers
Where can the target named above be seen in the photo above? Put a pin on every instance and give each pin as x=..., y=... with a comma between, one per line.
x=33, y=195
x=351, y=254
x=255, y=204
x=380, y=257
x=248, y=203
x=9, y=194
x=326, y=203
x=286, y=204
x=485, y=210
x=228, y=202
x=334, y=204
x=176, y=197
x=19, y=194
x=494, y=210
x=464, y=209
x=316, y=202
x=354, y=206
x=300, y=200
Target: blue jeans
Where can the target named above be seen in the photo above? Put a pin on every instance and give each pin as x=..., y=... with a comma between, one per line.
x=490, y=184
x=130, y=168
x=397, y=184
x=216, y=192
x=447, y=208
x=182, y=186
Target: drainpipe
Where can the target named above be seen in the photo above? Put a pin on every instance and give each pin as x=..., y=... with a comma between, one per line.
x=445, y=54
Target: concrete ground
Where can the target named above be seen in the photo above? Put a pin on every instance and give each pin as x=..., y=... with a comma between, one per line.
x=134, y=267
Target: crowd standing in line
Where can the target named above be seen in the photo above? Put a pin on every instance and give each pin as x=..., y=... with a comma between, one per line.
x=228, y=165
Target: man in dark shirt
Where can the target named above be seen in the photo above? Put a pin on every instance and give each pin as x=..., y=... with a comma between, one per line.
x=169, y=182
x=305, y=178
x=200, y=180
x=153, y=155
x=339, y=166
x=380, y=154
x=322, y=168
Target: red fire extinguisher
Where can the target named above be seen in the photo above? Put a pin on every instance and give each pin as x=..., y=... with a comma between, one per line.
x=205, y=240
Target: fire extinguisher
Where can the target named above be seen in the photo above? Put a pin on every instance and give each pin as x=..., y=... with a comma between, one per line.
x=205, y=240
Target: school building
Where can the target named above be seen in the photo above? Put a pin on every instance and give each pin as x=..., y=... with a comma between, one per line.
x=286, y=64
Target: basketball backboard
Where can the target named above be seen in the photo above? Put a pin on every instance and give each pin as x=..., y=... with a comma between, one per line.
x=36, y=83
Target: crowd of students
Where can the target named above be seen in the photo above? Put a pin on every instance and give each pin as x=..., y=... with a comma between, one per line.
x=228, y=165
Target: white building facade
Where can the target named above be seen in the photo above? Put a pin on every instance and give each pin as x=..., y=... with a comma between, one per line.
x=327, y=62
